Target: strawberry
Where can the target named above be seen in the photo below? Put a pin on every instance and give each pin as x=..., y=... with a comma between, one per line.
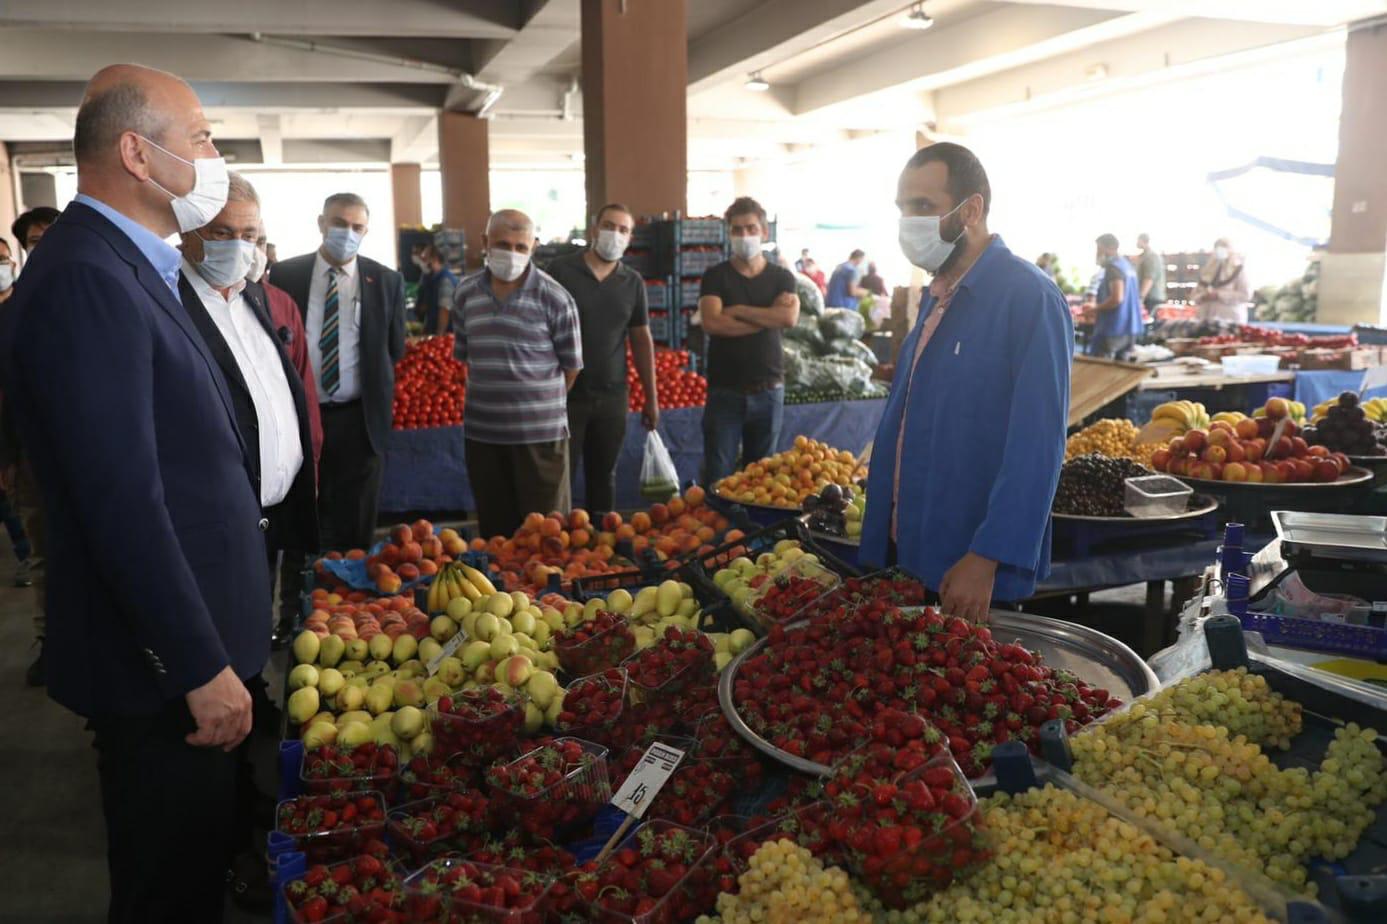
x=679, y=658
x=553, y=789
x=595, y=644
x=592, y=706
x=366, y=767
x=481, y=725
x=466, y=888
x=662, y=868
x=432, y=826
x=331, y=826
x=361, y=889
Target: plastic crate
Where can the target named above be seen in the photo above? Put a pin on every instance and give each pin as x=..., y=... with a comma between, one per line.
x=326, y=845
x=702, y=231
x=1316, y=635
x=426, y=904
x=670, y=685
x=603, y=650
x=660, y=326
x=422, y=850
x=656, y=294
x=478, y=740
x=692, y=895
x=689, y=290
x=568, y=805
x=697, y=261
x=291, y=914
x=614, y=681
x=380, y=778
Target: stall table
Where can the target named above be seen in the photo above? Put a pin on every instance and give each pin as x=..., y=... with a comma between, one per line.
x=426, y=471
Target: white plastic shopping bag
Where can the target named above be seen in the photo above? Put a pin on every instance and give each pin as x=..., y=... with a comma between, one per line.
x=659, y=479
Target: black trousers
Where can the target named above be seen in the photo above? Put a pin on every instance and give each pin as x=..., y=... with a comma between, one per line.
x=349, y=476
x=596, y=429
x=509, y=481
x=286, y=560
x=170, y=816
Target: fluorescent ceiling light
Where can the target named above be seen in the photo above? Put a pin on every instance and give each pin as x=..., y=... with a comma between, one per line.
x=917, y=18
x=757, y=83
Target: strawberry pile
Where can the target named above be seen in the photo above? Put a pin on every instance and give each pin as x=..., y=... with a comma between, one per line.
x=427, y=776
x=430, y=826
x=785, y=596
x=890, y=588
x=719, y=741
x=645, y=873
x=430, y=385
x=591, y=706
x=464, y=890
x=363, y=768
x=552, y=790
x=631, y=757
x=595, y=644
x=364, y=888
x=516, y=852
x=693, y=793
x=697, y=701
x=678, y=659
x=332, y=826
x=816, y=689
x=645, y=721
x=482, y=724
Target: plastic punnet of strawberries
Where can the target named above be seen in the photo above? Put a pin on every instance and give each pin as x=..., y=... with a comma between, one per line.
x=889, y=588
x=785, y=597
x=431, y=826
x=694, y=792
x=553, y=790
x=631, y=757
x=455, y=889
x=362, y=769
x=592, y=706
x=678, y=659
x=595, y=644
x=363, y=888
x=427, y=775
x=481, y=725
x=516, y=852
x=657, y=875
x=333, y=826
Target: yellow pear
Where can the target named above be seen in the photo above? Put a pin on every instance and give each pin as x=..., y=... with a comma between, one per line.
x=500, y=605
x=519, y=601
x=542, y=633
x=435, y=689
x=356, y=715
x=668, y=596
x=503, y=646
x=354, y=735
x=474, y=653
x=408, y=693
x=523, y=623
x=330, y=681
x=442, y=628
x=406, y=646
x=408, y=722
x=357, y=650
x=304, y=675
x=534, y=718
x=422, y=743
x=331, y=650
x=306, y=646
x=458, y=608
x=619, y=600
x=379, y=698
x=350, y=698
x=452, y=673
x=319, y=734
x=486, y=628
x=429, y=649
x=551, y=714
x=542, y=687
x=302, y=704
x=381, y=646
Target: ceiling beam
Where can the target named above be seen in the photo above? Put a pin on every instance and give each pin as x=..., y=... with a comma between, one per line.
x=271, y=127
x=549, y=31
x=488, y=19
x=76, y=55
x=1284, y=12
x=416, y=141
x=772, y=31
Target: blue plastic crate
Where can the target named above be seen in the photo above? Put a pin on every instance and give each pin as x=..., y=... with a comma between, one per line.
x=702, y=230
x=660, y=326
x=642, y=261
x=697, y=262
x=689, y=291
x=1315, y=635
x=656, y=294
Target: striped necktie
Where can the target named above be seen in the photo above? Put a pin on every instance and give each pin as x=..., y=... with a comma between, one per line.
x=327, y=340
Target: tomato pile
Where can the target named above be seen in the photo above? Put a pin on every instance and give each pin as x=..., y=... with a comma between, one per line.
x=430, y=385
x=675, y=385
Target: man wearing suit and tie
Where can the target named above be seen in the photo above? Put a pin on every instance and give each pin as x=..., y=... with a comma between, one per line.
x=158, y=591
x=354, y=315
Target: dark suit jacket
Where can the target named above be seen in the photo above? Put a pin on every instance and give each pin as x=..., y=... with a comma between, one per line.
x=156, y=561
x=382, y=332
x=284, y=314
x=300, y=505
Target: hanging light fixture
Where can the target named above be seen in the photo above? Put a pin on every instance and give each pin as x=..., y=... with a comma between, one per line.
x=757, y=82
x=917, y=18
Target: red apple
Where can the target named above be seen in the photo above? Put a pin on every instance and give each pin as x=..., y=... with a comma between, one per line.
x=1195, y=440
x=1247, y=429
x=1277, y=408
x=1235, y=451
x=1265, y=427
x=1298, y=446
x=1234, y=471
x=1271, y=474
x=1177, y=447
x=1326, y=470
x=1254, y=449
x=1214, y=454
x=1304, y=470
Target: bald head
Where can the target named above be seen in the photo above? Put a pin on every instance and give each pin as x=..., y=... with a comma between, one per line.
x=127, y=98
x=509, y=229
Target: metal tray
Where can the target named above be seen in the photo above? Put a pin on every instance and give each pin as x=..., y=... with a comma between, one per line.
x=1332, y=535
x=1368, y=461
x=1204, y=505
x=1353, y=476
x=1099, y=659
x=764, y=508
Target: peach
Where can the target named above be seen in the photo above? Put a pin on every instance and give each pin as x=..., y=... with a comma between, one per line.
x=428, y=567
x=1247, y=429
x=1160, y=459
x=641, y=522
x=1271, y=473
x=677, y=507
x=1326, y=470
x=1234, y=471
x=1195, y=440
x=579, y=538
x=1277, y=408
x=400, y=534
x=550, y=527
x=578, y=519
x=532, y=522
x=1223, y=425
x=456, y=546
x=1319, y=451
x=1235, y=451
x=408, y=572
x=611, y=522
x=422, y=530
x=1214, y=455
x=411, y=552
x=1304, y=470
x=1254, y=449
x=1255, y=473
x=1221, y=436
x=659, y=514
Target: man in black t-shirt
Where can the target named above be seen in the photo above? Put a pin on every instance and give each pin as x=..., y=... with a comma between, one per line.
x=744, y=304
x=611, y=308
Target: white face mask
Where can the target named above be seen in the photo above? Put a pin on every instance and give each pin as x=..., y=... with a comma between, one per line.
x=746, y=248
x=206, y=199
x=1221, y=254
x=257, y=266
x=921, y=242
x=611, y=244
x=6, y=276
x=507, y=265
x=225, y=263
x=341, y=243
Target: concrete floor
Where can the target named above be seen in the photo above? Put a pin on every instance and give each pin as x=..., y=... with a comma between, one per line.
x=53, y=856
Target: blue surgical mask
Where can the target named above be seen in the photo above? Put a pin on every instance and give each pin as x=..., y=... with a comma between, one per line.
x=922, y=243
x=225, y=263
x=341, y=243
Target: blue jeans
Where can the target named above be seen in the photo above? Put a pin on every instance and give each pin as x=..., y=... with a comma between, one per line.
x=733, y=419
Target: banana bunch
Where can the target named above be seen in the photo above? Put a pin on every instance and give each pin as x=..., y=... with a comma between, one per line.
x=455, y=580
x=1184, y=415
x=1231, y=417
x=1375, y=409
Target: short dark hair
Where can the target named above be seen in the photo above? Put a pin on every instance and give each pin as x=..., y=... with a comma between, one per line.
x=345, y=198
x=857, y=255
x=1107, y=240
x=40, y=215
x=966, y=175
x=102, y=118
x=612, y=207
x=745, y=205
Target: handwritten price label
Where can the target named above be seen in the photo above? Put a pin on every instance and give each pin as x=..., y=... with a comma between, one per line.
x=646, y=781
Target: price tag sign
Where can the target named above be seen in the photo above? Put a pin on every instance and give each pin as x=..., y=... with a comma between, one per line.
x=449, y=647
x=650, y=775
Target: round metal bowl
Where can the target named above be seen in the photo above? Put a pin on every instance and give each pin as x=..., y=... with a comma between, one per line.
x=1203, y=505
x=1099, y=659
x=1354, y=476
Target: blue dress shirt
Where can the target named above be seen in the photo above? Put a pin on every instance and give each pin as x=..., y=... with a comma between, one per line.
x=162, y=255
x=984, y=430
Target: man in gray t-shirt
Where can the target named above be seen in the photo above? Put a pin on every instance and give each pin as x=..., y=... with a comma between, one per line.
x=1150, y=273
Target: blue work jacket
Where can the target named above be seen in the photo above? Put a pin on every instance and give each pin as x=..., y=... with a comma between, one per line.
x=984, y=432
x=1125, y=319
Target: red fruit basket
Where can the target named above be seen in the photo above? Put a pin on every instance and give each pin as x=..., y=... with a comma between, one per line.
x=430, y=775
x=601, y=651
x=562, y=808
x=378, y=776
x=326, y=837
x=299, y=893
x=692, y=895
x=613, y=682
x=453, y=890
x=421, y=847
x=648, y=690
x=480, y=728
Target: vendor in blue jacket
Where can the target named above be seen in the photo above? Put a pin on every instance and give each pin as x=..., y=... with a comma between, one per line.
x=1117, y=322
x=968, y=452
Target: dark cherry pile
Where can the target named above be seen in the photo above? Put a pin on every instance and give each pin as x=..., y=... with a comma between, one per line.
x=1345, y=428
x=1092, y=485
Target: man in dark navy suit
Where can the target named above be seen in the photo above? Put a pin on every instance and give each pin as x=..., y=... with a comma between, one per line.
x=158, y=592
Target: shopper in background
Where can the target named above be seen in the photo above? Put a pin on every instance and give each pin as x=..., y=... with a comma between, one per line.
x=353, y=311
x=1049, y=263
x=970, y=444
x=816, y=275
x=1151, y=274
x=745, y=303
x=873, y=282
x=517, y=330
x=437, y=284
x=157, y=602
x=845, y=285
x=28, y=228
x=803, y=260
x=1223, y=291
x=612, y=312
x=1117, y=303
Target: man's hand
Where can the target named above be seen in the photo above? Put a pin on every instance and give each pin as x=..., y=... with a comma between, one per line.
x=650, y=414
x=966, y=591
x=221, y=708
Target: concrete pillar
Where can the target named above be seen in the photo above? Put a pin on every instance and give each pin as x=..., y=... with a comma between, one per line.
x=404, y=191
x=635, y=85
x=1353, y=273
x=9, y=208
x=464, y=160
x=36, y=189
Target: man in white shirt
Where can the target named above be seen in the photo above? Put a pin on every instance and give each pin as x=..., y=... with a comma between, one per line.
x=354, y=317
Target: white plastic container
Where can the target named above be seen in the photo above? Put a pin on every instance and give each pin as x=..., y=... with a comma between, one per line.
x=1156, y=496
x=1251, y=364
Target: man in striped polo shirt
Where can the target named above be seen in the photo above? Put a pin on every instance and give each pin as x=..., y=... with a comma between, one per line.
x=517, y=330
